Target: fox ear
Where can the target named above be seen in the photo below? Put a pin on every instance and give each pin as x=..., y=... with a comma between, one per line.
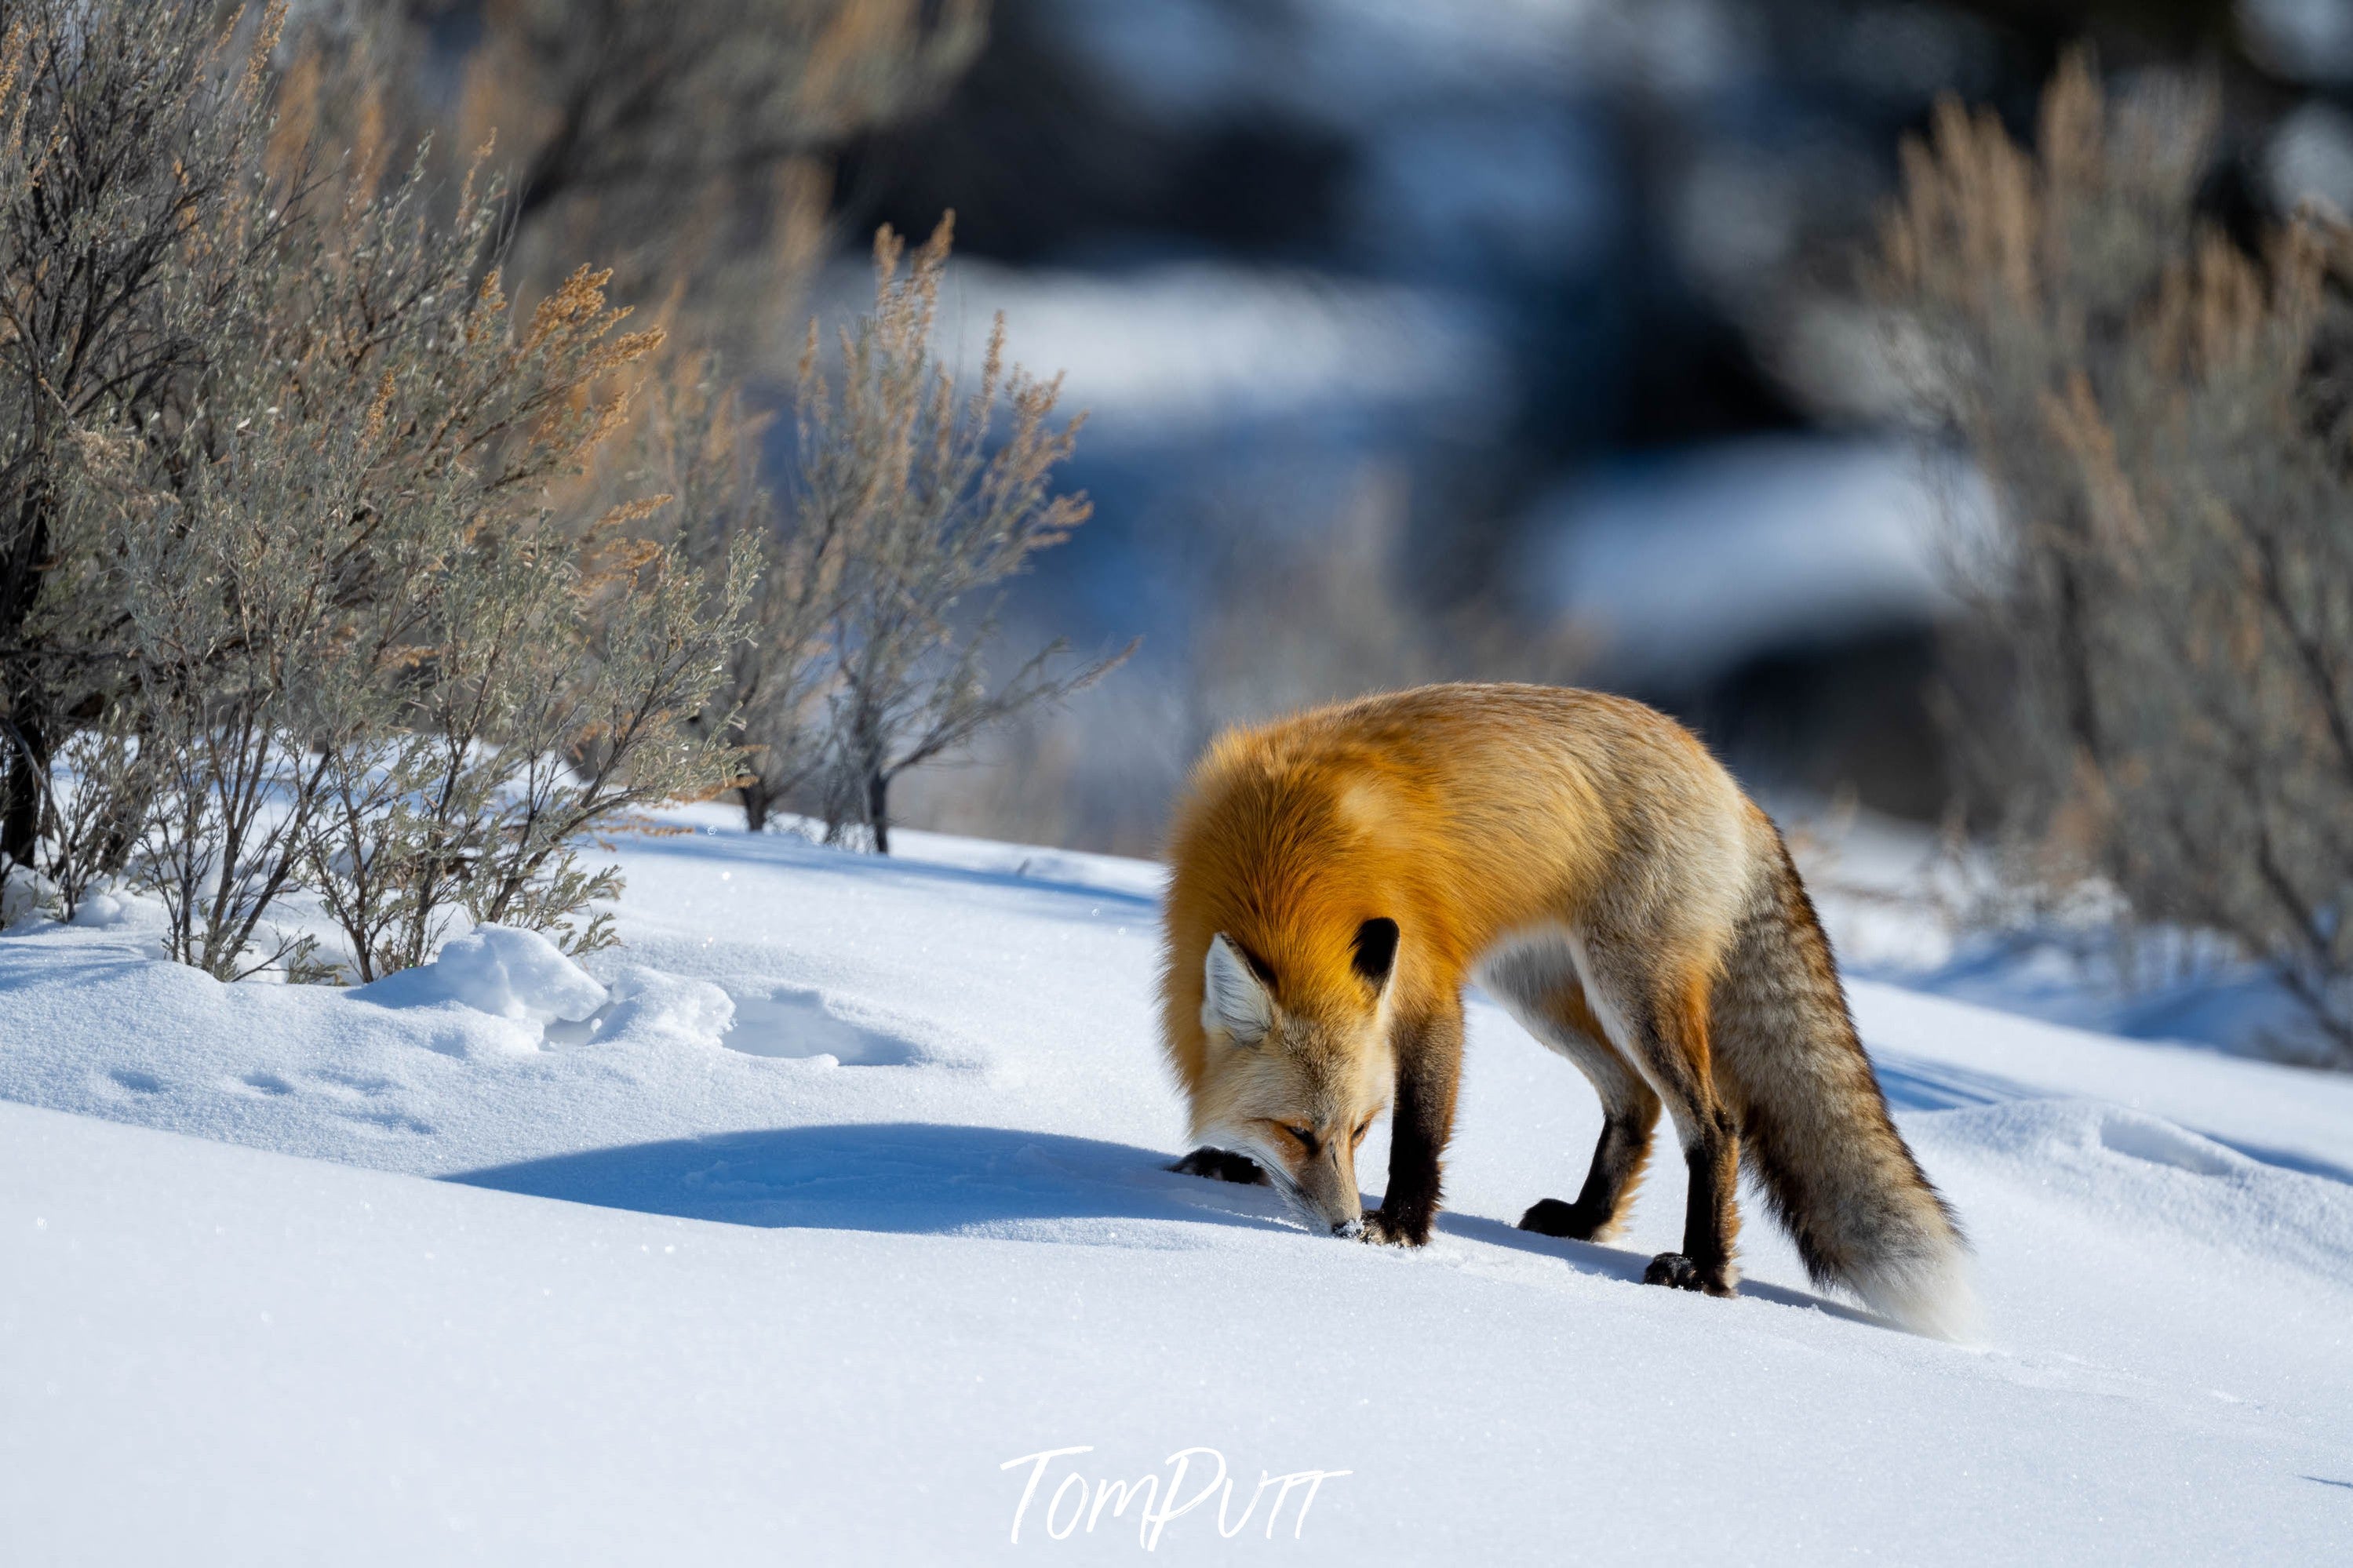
x=1376, y=950
x=1234, y=1000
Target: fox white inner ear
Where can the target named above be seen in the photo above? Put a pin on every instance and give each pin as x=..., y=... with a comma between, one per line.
x=1233, y=999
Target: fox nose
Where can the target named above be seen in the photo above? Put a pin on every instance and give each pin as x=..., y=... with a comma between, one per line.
x=1348, y=1229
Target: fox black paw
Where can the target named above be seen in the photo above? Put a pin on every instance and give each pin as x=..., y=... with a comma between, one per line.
x=1674, y=1271
x=1221, y=1165
x=1553, y=1217
x=1386, y=1230
x=1678, y=1272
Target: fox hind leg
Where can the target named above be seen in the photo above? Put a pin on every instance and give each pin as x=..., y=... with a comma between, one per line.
x=1710, y=1219
x=1661, y=1021
x=1562, y=1021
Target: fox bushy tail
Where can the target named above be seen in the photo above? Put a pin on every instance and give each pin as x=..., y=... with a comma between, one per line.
x=1814, y=1125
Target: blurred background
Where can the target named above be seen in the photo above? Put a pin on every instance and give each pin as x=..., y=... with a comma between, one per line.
x=1419, y=339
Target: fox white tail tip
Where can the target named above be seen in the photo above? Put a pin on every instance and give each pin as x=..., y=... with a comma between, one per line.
x=1932, y=1296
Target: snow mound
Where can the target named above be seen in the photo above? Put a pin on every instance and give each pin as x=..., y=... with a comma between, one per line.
x=2142, y=1173
x=648, y=1002
x=102, y=909
x=507, y=973
x=22, y=895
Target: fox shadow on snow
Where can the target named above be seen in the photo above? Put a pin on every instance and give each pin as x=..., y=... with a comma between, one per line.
x=922, y=1177
x=886, y=1176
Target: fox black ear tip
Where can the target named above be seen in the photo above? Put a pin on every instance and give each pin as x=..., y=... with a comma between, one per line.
x=1374, y=949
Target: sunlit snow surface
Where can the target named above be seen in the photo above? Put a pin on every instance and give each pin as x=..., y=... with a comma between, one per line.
x=840, y=1184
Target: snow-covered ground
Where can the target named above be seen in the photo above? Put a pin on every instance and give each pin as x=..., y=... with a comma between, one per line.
x=799, y=1291
x=1909, y=907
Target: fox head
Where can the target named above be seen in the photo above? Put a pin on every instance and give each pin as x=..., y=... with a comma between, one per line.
x=1300, y=1066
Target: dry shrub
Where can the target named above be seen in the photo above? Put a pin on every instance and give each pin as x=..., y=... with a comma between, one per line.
x=691, y=144
x=324, y=567
x=128, y=135
x=2163, y=417
x=327, y=602
x=935, y=508
x=697, y=443
x=876, y=575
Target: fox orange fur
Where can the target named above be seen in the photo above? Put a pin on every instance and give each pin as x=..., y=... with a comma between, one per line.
x=1338, y=876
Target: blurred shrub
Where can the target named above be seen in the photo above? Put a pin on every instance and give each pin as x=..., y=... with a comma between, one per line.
x=690, y=145
x=2165, y=419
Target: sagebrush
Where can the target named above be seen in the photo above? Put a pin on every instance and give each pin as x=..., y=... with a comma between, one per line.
x=2162, y=414
x=323, y=600
x=938, y=509
x=326, y=567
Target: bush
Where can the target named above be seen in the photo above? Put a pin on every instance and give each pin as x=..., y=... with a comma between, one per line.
x=939, y=512
x=2163, y=416
x=688, y=143
x=912, y=508
x=325, y=598
x=129, y=136
x=324, y=568
x=697, y=444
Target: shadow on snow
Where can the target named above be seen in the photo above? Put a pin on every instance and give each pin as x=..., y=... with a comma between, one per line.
x=889, y=1176
x=1913, y=1084
x=927, y=1178
x=1617, y=1263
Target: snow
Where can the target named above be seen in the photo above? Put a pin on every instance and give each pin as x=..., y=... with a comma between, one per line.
x=1180, y=349
x=1680, y=564
x=2310, y=158
x=2303, y=40
x=518, y=975
x=780, y=1231
x=1909, y=909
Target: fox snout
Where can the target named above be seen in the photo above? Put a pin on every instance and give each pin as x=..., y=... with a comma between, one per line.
x=1319, y=1189
x=1327, y=1192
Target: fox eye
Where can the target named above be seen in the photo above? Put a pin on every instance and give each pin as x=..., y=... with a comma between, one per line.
x=1306, y=1136
x=1358, y=1135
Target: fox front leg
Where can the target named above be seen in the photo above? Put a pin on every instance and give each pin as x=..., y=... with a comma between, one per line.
x=1430, y=1064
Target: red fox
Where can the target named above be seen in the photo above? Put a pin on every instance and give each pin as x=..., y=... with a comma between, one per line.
x=1336, y=877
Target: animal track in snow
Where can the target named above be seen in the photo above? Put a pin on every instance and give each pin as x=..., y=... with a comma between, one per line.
x=383, y=1125
x=352, y=1086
